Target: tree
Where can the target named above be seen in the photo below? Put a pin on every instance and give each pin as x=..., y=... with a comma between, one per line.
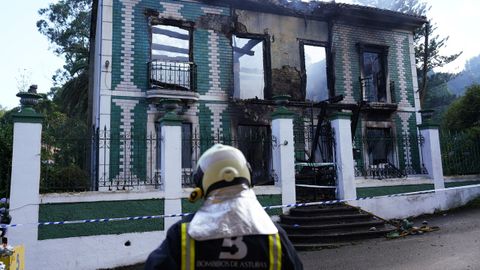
x=6, y=141
x=439, y=96
x=435, y=42
x=464, y=114
x=66, y=24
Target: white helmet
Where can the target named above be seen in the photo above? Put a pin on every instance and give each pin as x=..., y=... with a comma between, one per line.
x=220, y=166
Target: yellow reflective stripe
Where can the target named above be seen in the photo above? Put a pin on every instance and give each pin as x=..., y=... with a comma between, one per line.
x=192, y=253
x=188, y=249
x=184, y=246
x=279, y=251
x=270, y=249
x=275, y=252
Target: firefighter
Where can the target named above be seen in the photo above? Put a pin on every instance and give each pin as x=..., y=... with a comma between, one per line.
x=230, y=230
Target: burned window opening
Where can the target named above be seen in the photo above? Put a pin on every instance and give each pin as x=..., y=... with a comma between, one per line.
x=171, y=66
x=373, y=65
x=379, y=145
x=255, y=143
x=250, y=55
x=187, y=146
x=314, y=71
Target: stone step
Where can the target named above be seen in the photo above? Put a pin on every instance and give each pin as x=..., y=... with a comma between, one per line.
x=326, y=238
x=316, y=211
x=324, y=219
x=351, y=226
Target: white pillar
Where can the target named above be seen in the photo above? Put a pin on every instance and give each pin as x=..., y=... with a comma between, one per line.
x=283, y=154
x=25, y=180
x=346, y=187
x=432, y=156
x=171, y=166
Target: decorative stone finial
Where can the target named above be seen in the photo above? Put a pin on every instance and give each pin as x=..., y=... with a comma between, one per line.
x=427, y=115
x=27, y=101
x=281, y=111
x=170, y=105
x=29, y=98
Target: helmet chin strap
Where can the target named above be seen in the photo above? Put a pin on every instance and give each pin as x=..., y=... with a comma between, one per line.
x=196, y=194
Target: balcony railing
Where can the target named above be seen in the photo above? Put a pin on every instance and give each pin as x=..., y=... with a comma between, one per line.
x=373, y=91
x=173, y=75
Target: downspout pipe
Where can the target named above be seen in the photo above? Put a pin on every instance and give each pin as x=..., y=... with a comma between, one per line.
x=425, y=66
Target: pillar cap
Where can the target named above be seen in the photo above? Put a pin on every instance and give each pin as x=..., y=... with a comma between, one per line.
x=27, y=115
x=170, y=119
x=282, y=113
x=340, y=115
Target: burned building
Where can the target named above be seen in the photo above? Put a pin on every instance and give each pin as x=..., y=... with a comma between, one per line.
x=222, y=66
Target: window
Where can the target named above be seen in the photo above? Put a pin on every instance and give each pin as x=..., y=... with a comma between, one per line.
x=379, y=146
x=171, y=65
x=187, y=150
x=374, y=73
x=249, y=67
x=314, y=72
x=255, y=144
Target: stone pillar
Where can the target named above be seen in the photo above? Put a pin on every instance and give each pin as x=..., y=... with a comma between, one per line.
x=346, y=187
x=432, y=156
x=171, y=165
x=283, y=154
x=25, y=179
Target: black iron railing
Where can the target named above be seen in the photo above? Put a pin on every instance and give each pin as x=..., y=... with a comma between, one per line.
x=374, y=156
x=127, y=160
x=257, y=149
x=173, y=75
x=460, y=153
x=304, y=137
x=375, y=91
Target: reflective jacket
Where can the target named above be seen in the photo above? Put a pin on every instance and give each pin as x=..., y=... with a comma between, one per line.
x=180, y=251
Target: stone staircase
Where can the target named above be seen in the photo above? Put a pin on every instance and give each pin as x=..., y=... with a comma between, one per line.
x=328, y=226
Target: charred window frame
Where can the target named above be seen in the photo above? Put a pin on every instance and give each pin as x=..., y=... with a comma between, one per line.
x=255, y=143
x=267, y=73
x=173, y=68
x=380, y=146
x=374, y=86
x=187, y=146
x=328, y=68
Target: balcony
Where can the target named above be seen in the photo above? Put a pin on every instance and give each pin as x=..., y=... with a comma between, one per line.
x=170, y=79
x=373, y=93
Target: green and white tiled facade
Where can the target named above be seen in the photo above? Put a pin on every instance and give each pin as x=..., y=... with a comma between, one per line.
x=401, y=69
x=124, y=80
x=124, y=109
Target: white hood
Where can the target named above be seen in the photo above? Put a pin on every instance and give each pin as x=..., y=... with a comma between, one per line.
x=229, y=212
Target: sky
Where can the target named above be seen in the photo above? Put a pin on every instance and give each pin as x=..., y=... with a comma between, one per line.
x=24, y=51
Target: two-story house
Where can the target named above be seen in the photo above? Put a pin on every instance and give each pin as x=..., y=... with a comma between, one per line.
x=225, y=61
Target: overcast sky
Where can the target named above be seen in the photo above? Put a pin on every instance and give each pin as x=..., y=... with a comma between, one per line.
x=25, y=51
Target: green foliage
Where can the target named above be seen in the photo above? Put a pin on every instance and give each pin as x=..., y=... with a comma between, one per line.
x=6, y=143
x=69, y=178
x=438, y=96
x=464, y=114
x=65, y=145
x=461, y=152
x=66, y=24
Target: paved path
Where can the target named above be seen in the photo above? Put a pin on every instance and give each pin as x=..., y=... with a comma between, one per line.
x=455, y=246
